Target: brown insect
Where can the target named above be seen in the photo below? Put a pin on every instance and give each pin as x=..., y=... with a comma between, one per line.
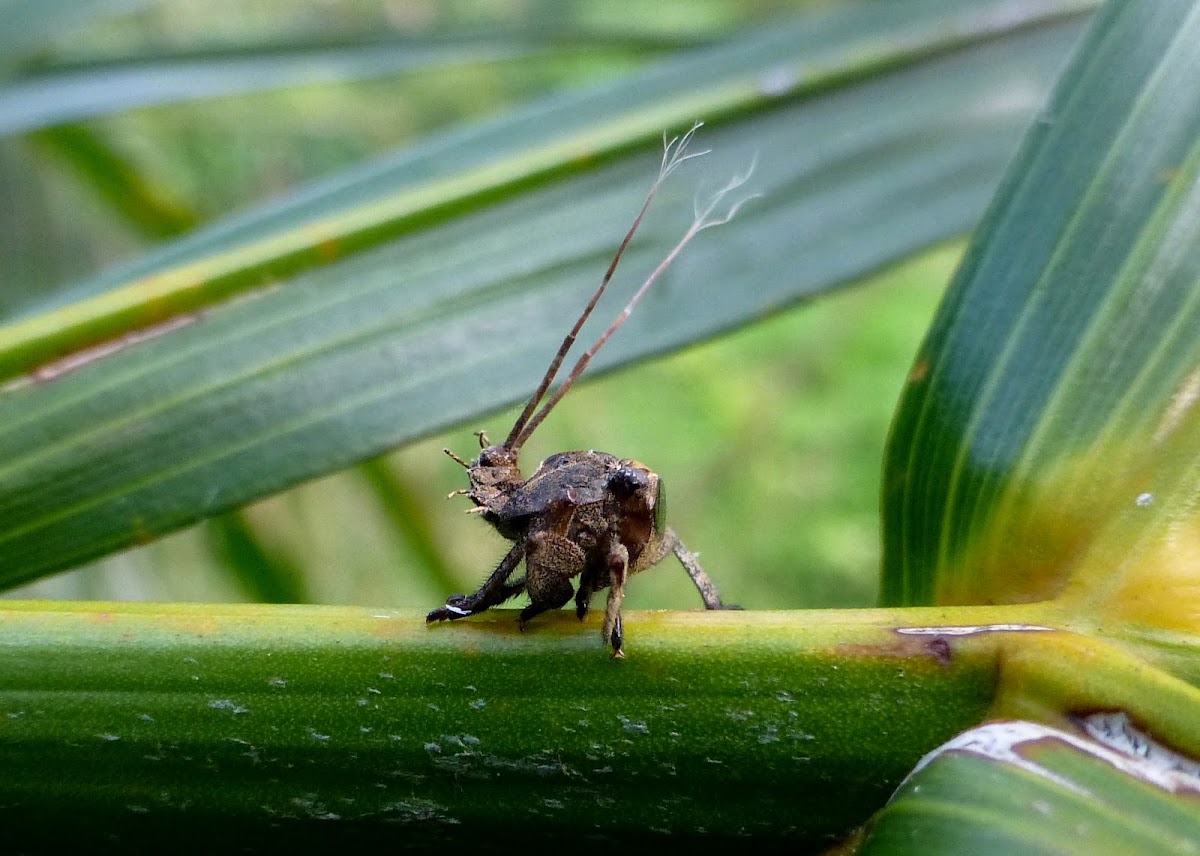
x=588, y=514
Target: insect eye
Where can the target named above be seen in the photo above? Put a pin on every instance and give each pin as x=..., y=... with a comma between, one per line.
x=629, y=480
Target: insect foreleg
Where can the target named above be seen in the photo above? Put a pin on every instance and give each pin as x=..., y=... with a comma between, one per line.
x=495, y=589
x=618, y=569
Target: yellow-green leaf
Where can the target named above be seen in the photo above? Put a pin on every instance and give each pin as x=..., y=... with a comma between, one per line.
x=1047, y=443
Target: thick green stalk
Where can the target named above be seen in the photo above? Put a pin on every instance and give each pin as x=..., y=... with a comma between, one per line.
x=152, y=720
x=158, y=720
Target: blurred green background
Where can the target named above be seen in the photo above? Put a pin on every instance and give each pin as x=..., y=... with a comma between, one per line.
x=769, y=440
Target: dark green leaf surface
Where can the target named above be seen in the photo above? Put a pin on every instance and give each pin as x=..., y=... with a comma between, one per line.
x=1017, y=787
x=1048, y=428
x=418, y=291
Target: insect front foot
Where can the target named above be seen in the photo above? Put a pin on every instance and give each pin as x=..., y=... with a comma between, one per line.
x=456, y=607
x=617, y=640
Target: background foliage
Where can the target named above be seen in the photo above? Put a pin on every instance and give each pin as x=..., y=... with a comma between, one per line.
x=809, y=394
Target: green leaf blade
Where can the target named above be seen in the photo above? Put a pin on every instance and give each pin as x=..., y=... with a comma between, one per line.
x=1070, y=325
x=1016, y=787
x=59, y=96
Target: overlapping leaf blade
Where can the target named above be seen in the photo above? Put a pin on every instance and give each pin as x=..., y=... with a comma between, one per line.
x=1048, y=430
x=1017, y=787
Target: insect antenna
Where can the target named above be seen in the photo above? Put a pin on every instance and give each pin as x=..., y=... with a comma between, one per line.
x=674, y=153
x=703, y=219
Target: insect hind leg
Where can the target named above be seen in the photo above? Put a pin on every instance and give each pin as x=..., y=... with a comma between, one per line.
x=550, y=563
x=588, y=584
x=691, y=564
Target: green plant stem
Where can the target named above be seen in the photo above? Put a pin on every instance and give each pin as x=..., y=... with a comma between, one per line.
x=157, y=718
